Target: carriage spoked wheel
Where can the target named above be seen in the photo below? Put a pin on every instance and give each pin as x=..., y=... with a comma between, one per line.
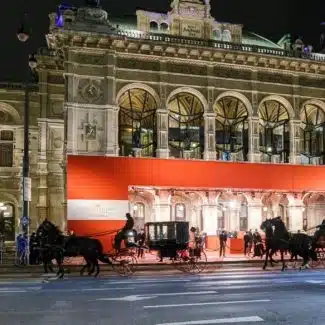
x=124, y=265
x=197, y=262
x=321, y=258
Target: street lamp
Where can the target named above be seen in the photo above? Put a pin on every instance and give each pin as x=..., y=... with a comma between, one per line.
x=23, y=36
x=23, y=32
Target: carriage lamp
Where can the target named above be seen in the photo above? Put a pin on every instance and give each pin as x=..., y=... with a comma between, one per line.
x=135, y=207
x=265, y=209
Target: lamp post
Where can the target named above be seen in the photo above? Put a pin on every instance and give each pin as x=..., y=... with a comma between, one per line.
x=23, y=36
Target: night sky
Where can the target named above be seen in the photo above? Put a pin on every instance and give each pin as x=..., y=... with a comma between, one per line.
x=272, y=21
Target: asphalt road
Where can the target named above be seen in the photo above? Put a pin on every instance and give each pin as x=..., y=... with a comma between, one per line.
x=239, y=296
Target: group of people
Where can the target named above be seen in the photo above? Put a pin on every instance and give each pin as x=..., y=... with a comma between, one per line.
x=21, y=248
x=253, y=241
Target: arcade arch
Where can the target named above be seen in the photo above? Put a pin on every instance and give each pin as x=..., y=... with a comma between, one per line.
x=274, y=131
x=186, y=125
x=231, y=127
x=137, y=122
x=313, y=133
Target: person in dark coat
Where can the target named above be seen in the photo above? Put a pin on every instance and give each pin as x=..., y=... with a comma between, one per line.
x=246, y=243
x=223, y=241
x=258, y=244
x=33, y=249
x=141, y=238
x=121, y=235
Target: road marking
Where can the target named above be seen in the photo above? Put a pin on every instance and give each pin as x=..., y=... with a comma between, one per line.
x=12, y=291
x=156, y=295
x=22, y=282
x=145, y=281
x=230, y=282
x=24, y=289
x=208, y=303
x=315, y=281
x=219, y=321
x=101, y=289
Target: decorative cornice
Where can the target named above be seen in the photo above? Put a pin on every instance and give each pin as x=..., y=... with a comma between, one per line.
x=158, y=47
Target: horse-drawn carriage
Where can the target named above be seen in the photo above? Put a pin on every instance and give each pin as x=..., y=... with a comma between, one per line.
x=172, y=241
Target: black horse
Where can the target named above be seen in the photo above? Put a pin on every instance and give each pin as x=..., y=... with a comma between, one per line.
x=276, y=240
x=301, y=244
x=54, y=245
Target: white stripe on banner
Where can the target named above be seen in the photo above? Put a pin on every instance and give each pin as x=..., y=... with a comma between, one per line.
x=97, y=209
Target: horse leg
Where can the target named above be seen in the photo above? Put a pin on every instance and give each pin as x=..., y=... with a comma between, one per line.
x=284, y=266
x=266, y=258
x=271, y=253
x=87, y=265
x=97, y=268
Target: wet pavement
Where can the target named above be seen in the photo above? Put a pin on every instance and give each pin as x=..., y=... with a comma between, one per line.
x=238, y=296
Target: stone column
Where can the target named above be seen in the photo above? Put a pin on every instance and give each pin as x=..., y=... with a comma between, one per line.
x=233, y=219
x=296, y=216
x=72, y=133
x=295, y=157
x=162, y=133
x=112, y=145
x=254, y=154
x=163, y=207
x=209, y=136
x=255, y=215
x=42, y=204
x=210, y=220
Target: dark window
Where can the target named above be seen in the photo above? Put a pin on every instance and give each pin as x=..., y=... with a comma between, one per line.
x=137, y=123
x=186, y=126
x=231, y=129
x=6, y=148
x=274, y=131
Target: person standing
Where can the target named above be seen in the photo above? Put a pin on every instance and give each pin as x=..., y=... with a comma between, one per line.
x=223, y=242
x=141, y=238
x=246, y=243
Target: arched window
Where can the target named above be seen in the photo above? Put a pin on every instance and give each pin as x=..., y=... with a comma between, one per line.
x=7, y=221
x=217, y=35
x=153, y=26
x=313, y=133
x=180, y=213
x=6, y=148
x=231, y=129
x=274, y=131
x=139, y=215
x=226, y=36
x=243, y=216
x=164, y=27
x=137, y=123
x=186, y=125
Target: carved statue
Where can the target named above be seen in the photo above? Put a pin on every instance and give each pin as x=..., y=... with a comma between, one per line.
x=93, y=3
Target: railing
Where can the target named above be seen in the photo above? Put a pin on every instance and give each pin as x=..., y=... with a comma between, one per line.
x=18, y=86
x=205, y=43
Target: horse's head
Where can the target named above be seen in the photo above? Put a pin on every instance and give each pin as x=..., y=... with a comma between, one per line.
x=47, y=233
x=266, y=225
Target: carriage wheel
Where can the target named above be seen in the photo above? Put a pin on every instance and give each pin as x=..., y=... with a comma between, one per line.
x=321, y=258
x=124, y=265
x=197, y=264
x=181, y=261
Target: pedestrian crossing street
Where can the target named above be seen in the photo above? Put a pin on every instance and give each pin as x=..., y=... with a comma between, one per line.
x=233, y=296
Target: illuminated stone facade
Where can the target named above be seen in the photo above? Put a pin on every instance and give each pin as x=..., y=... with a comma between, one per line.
x=175, y=85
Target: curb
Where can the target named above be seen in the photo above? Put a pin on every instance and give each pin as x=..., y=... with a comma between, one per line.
x=139, y=267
